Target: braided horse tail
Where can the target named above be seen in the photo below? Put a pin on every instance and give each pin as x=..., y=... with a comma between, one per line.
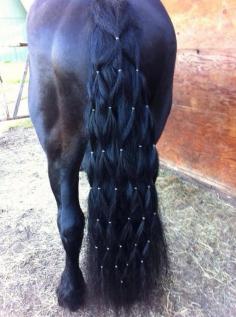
x=127, y=249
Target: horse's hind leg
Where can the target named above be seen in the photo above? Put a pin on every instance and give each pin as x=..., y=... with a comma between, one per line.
x=63, y=169
x=65, y=149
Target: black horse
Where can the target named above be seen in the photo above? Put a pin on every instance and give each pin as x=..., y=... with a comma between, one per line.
x=101, y=79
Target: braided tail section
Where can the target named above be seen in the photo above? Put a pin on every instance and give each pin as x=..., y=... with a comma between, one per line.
x=127, y=250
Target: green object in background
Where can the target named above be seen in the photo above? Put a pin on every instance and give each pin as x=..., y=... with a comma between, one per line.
x=12, y=30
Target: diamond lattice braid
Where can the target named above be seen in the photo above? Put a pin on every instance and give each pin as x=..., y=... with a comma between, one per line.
x=127, y=245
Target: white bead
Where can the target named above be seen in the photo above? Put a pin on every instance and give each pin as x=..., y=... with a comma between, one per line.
x=121, y=282
x=120, y=246
x=116, y=189
x=103, y=151
x=143, y=218
x=154, y=213
x=117, y=38
x=149, y=241
x=96, y=247
x=109, y=222
x=142, y=261
x=137, y=70
x=109, y=108
x=147, y=106
x=135, y=188
x=99, y=188
x=108, y=249
x=121, y=150
x=98, y=220
x=140, y=146
x=127, y=264
x=116, y=267
x=92, y=153
x=101, y=267
x=133, y=108
x=120, y=70
x=136, y=244
x=97, y=71
x=129, y=218
x=149, y=186
x=93, y=110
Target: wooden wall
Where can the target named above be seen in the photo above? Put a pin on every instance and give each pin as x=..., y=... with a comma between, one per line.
x=200, y=137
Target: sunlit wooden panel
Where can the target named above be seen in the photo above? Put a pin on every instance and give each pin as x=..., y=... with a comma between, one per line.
x=200, y=136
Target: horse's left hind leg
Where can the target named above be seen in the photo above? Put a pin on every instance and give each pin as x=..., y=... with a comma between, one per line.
x=63, y=175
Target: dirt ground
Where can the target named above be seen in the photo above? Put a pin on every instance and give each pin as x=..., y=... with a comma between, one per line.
x=200, y=229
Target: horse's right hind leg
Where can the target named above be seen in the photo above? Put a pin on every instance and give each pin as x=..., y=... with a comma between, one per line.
x=63, y=170
x=65, y=150
x=63, y=175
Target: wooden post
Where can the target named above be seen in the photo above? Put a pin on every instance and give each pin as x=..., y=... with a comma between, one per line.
x=21, y=89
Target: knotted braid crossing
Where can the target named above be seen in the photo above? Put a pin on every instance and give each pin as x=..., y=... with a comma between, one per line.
x=127, y=246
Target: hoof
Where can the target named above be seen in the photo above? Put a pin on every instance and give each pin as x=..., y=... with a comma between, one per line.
x=71, y=293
